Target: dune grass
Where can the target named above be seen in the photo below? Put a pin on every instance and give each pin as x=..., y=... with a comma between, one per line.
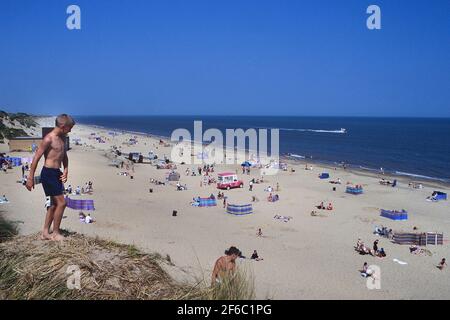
x=8, y=229
x=35, y=269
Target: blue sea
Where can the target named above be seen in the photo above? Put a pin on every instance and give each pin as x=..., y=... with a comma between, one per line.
x=416, y=147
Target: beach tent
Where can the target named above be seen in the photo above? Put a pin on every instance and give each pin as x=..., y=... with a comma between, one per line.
x=239, y=210
x=421, y=239
x=394, y=214
x=324, y=175
x=173, y=176
x=438, y=195
x=354, y=190
x=80, y=204
x=207, y=202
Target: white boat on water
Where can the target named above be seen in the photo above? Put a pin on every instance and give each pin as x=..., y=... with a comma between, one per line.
x=343, y=130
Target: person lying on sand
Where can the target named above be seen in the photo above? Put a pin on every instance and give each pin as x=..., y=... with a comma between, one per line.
x=225, y=265
x=362, y=249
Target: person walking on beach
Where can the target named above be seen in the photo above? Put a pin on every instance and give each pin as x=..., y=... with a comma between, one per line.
x=53, y=149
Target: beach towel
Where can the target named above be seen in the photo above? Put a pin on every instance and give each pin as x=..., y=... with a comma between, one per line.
x=284, y=218
x=79, y=204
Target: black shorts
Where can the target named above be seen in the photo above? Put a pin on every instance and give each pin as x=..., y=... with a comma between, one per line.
x=50, y=179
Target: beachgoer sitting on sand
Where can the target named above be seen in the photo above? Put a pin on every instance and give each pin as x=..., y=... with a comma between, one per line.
x=314, y=213
x=359, y=243
x=381, y=253
x=255, y=256
x=330, y=206
x=442, y=264
x=366, y=271
x=82, y=216
x=255, y=199
x=4, y=199
x=89, y=219
x=413, y=249
x=225, y=265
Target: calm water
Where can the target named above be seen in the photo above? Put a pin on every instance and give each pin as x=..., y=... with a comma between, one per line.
x=399, y=145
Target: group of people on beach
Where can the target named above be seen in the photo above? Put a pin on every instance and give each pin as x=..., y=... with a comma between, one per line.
x=87, y=188
x=362, y=249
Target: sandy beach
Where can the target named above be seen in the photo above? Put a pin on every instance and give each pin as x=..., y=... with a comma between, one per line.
x=307, y=257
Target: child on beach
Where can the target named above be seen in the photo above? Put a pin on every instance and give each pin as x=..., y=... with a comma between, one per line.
x=442, y=264
x=54, y=151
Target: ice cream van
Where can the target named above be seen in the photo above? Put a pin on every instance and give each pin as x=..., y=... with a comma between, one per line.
x=228, y=180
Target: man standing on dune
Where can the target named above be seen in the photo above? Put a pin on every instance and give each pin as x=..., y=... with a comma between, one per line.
x=53, y=149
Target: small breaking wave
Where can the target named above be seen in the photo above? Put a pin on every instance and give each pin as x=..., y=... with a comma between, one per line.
x=400, y=173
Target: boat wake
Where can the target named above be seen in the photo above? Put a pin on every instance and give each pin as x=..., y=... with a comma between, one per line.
x=342, y=130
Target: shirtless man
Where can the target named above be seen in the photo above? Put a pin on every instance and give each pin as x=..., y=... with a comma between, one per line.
x=52, y=147
x=225, y=264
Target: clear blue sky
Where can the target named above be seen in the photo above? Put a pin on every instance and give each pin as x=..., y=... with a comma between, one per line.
x=234, y=57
